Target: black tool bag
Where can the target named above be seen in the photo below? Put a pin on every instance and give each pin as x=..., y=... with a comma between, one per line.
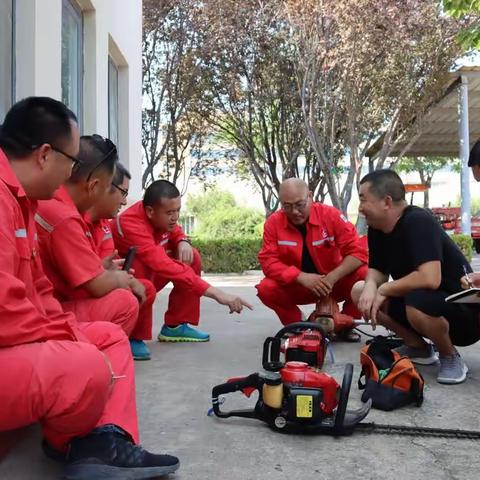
x=390, y=380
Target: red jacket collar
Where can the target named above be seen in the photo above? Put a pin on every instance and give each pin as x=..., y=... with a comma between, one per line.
x=63, y=196
x=9, y=178
x=139, y=211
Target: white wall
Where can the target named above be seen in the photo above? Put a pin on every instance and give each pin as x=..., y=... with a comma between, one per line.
x=110, y=27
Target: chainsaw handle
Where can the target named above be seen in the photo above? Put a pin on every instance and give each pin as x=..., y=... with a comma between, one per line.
x=235, y=385
x=271, y=347
x=295, y=327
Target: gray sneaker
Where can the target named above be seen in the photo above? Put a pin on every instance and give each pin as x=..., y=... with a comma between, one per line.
x=422, y=356
x=452, y=369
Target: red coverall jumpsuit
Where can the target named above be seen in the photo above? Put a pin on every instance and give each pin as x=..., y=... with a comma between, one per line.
x=55, y=370
x=330, y=237
x=153, y=262
x=103, y=241
x=69, y=260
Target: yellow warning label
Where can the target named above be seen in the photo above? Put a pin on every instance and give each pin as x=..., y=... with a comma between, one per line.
x=304, y=406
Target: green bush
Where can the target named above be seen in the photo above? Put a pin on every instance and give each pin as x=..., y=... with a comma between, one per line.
x=465, y=244
x=234, y=222
x=214, y=199
x=225, y=255
x=218, y=216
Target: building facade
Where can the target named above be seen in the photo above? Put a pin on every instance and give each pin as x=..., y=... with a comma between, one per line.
x=87, y=53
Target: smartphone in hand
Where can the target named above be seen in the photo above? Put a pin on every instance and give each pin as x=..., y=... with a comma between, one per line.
x=127, y=265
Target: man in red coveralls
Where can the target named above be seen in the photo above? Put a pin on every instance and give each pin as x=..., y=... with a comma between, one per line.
x=82, y=283
x=309, y=251
x=105, y=208
x=75, y=378
x=164, y=254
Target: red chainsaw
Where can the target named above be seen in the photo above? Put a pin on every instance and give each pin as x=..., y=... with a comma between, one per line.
x=293, y=395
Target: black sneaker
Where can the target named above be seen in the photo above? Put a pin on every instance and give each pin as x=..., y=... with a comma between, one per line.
x=53, y=453
x=108, y=453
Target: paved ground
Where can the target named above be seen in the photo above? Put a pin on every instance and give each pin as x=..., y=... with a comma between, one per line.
x=174, y=396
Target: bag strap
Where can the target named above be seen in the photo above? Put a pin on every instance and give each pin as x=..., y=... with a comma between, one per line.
x=362, y=384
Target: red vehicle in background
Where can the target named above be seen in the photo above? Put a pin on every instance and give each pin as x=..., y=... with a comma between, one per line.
x=448, y=217
x=474, y=228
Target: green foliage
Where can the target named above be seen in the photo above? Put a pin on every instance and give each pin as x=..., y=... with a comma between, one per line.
x=426, y=166
x=202, y=205
x=218, y=216
x=465, y=243
x=232, y=222
x=469, y=38
x=228, y=254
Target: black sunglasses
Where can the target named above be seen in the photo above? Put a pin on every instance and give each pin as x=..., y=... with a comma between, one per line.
x=112, y=150
x=122, y=190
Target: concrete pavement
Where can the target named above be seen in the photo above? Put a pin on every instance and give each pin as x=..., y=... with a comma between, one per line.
x=174, y=396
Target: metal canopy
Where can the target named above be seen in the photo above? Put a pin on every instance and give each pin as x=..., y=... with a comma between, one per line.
x=439, y=130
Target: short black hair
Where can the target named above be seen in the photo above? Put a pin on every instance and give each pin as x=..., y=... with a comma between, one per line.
x=33, y=121
x=97, y=154
x=120, y=173
x=158, y=190
x=474, y=158
x=385, y=183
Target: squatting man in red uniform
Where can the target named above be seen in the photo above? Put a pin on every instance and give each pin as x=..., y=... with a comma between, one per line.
x=74, y=377
x=84, y=283
x=164, y=254
x=309, y=251
x=97, y=218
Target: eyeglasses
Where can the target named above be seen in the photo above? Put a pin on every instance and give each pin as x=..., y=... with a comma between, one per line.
x=76, y=161
x=122, y=190
x=299, y=206
x=112, y=150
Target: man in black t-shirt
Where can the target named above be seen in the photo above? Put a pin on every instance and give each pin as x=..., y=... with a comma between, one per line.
x=407, y=244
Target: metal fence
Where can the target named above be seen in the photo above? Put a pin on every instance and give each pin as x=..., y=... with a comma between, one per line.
x=187, y=223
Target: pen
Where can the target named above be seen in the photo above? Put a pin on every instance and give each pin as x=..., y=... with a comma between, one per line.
x=467, y=276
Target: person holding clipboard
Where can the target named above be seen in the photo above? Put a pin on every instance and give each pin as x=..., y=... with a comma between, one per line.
x=407, y=244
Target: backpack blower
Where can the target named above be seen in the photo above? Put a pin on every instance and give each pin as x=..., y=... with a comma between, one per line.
x=294, y=395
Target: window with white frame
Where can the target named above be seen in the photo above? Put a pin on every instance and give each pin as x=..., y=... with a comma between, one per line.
x=7, y=57
x=112, y=101
x=72, y=57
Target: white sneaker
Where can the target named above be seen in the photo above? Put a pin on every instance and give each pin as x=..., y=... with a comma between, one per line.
x=422, y=356
x=453, y=370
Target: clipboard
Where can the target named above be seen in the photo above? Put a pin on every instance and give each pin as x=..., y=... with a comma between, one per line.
x=472, y=295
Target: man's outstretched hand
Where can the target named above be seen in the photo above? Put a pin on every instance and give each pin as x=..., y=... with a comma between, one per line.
x=234, y=303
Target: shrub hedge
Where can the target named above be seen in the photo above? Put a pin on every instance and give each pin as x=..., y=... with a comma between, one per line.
x=237, y=254
x=225, y=255
x=465, y=243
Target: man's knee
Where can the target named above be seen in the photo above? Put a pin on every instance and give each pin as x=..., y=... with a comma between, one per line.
x=104, y=334
x=267, y=289
x=76, y=367
x=125, y=302
x=356, y=291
